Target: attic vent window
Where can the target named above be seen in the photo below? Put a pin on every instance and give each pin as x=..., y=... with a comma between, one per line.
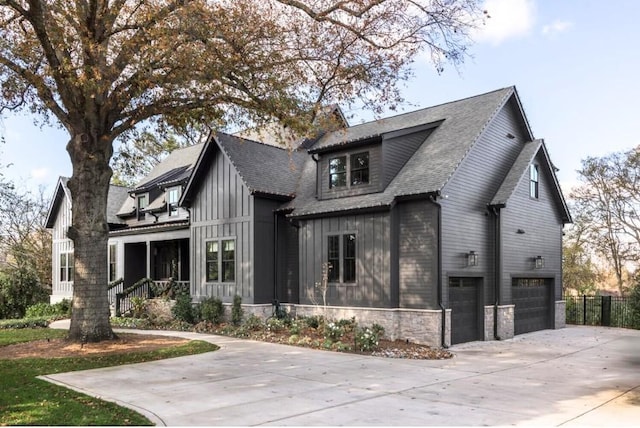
x=142, y=201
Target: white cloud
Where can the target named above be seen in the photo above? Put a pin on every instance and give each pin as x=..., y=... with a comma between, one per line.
x=508, y=19
x=556, y=27
x=40, y=173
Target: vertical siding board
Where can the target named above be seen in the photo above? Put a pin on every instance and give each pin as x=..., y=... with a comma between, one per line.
x=372, y=276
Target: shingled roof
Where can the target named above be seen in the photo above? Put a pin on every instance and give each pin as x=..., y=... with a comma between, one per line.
x=116, y=197
x=265, y=169
x=460, y=124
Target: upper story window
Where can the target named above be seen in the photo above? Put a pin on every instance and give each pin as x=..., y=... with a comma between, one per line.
x=360, y=168
x=350, y=169
x=533, y=181
x=141, y=203
x=338, y=172
x=173, y=196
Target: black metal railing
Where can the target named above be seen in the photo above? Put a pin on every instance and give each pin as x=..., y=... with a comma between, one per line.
x=113, y=289
x=145, y=288
x=610, y=311
x=142, y=288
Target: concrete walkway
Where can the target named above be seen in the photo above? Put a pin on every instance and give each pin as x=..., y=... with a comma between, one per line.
x=577, y=376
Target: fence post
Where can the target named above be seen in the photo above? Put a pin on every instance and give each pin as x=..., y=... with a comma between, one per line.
x=605, y=311
x=118, y=296
x=584, y=309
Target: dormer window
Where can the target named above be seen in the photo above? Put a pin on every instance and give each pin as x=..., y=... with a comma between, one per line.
x=338, y=172
x=141, y=203
x=360, y=168
x=354, y=166
x=173, y=196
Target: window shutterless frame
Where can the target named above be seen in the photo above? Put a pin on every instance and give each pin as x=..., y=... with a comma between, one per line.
x=220, y=260
x=341, y=255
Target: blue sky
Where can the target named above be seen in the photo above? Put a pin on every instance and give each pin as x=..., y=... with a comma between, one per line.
x=575, y=64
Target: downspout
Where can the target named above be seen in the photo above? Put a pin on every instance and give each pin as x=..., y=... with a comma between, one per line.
x=433, y=199
x=498, y=269
x=313, y=156
x=275, y=255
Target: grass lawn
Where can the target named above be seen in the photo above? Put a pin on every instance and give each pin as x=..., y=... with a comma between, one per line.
x=25, y=400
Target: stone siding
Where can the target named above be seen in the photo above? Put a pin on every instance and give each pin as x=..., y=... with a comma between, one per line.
x=560, y=317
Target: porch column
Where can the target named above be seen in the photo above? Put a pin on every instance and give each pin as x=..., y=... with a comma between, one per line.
x=148, y=259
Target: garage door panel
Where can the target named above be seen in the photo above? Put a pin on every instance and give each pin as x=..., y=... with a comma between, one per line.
x=532, y=300
x=464, y=303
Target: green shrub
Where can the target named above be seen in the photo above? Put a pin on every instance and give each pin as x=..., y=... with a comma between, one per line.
x=253, y=323
x=347, y=324
x=333, y=331
x=138, y=306
x=295, y=327
x=378, y=330
x=212, y=310
x=183, y=309
x=366, y=339
x=236, y=311
x=60, y=309
x=275, y=324
x=24, y=323
x=19, y=289
x=314, y=321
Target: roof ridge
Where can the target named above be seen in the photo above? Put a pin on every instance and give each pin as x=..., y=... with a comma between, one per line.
x=512, y=87
x=248, y=140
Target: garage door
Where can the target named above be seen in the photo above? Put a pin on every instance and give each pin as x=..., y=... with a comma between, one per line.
x=465, y=313
x=532, y=300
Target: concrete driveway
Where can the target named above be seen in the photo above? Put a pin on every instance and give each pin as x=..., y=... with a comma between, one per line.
x=576, y=376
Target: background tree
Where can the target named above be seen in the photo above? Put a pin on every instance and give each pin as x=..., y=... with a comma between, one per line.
x=608, y=203
x=135, y=158
x=579, y=273
x=102, y=68
x=25, y=250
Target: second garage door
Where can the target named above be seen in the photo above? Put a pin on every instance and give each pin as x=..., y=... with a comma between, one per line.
x=532, y=300
x=464, y=301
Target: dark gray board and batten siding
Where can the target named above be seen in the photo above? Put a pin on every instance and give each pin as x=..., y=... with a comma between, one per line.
x=222, y=209
x=371, y=288
x=467, y=225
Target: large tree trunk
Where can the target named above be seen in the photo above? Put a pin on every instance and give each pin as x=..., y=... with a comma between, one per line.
x=89, y=188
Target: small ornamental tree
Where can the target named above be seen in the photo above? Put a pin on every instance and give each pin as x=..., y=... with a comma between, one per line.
x=103, y=68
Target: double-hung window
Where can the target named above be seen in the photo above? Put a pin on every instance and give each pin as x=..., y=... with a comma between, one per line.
x=173, y=196
x=66, y=267
x=342, y=258
x=113, y=258
x=141, y=203
x=534, y=181
x=220, y=260
x=349, y=170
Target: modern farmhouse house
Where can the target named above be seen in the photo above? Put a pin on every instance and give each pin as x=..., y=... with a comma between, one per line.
x=444, y=225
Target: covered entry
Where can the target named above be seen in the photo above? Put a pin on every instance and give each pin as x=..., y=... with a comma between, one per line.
x=465, y=295
x=532, y=298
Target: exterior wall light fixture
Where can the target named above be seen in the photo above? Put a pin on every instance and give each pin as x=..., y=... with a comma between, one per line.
x=472, y=258
x=539, y=262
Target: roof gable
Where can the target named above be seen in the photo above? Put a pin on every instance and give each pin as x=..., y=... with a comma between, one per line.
x=264, y=169
x=520, y=170
x=458, y=125
x=115, y=198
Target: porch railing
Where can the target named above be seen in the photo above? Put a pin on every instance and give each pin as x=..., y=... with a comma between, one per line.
x=113, y=289
x=147, y=288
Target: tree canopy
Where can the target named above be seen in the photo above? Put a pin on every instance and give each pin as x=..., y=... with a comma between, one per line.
x=607, y=204
x=103, y=68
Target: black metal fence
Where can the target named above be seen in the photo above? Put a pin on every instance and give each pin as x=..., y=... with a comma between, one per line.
x=610, y=311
